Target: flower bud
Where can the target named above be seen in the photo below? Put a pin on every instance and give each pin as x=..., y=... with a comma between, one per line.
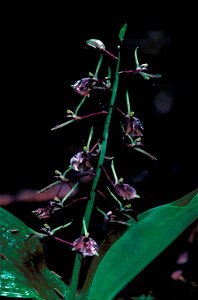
x=97, y=44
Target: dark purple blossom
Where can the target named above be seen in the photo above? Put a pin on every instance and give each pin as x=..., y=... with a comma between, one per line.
x=46, y=212
x=134, y=127
x=86, y=246
x=43, y=213
x=126, y=191
x=81, y=162
x=84, y=86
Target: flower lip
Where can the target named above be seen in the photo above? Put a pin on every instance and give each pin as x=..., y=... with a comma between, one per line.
x=81, y=162
x=83, y=86
x=126, y=191
x=86, y=246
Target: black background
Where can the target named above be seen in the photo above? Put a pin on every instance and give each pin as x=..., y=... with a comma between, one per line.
x=43, y=54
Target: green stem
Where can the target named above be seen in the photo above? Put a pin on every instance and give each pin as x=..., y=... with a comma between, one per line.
x=90, y=204
x=79, y=106
x=89, y=139
x=70, y=193
x=128, y=104
x=98, y=66
x=114, y=173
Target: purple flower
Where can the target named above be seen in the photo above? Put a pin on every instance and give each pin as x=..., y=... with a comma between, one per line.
x=126, y=191
x=81, y=162
x=86, y=246
x=134, y=127
x=84, y=86
x=46, y=212
x=137, y=127
x=43, y=213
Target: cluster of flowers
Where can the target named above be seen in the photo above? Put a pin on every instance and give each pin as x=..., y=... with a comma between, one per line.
x=83, y=161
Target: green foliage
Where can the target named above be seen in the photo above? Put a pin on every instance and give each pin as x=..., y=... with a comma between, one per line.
x=156, y=229
x=23, y=272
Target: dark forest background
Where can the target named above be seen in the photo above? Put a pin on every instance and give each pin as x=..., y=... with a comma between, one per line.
x=43, y=53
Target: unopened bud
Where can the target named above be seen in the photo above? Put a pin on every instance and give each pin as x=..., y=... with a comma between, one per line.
x=57, y=172
x=97, y=44
x=69, y=112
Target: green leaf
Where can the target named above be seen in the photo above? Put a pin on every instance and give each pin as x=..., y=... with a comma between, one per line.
x=122, y=32
x=156, y=229
x=23, y=272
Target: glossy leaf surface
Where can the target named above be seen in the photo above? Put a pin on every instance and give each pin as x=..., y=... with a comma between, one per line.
x=23, y=271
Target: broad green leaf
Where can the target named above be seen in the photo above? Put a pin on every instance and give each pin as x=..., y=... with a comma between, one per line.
x=156, y=229
x=23, y=271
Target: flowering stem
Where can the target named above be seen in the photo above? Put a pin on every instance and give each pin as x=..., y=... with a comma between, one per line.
x=120, y=111
x=88, y=211
x=63, y=241
x=98, y=66
x=107, y=175
x=62, y=125
x=89, y=139
x=49, y=186
x=110, y=54
x=93, y=114
x=81, y=103
x=115, y=198
x=92, y=149
x=129, y=71
x=90, y=203
x=70, y=193
x=76, y=200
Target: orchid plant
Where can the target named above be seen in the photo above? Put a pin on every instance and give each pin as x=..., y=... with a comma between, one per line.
x=140, y=237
